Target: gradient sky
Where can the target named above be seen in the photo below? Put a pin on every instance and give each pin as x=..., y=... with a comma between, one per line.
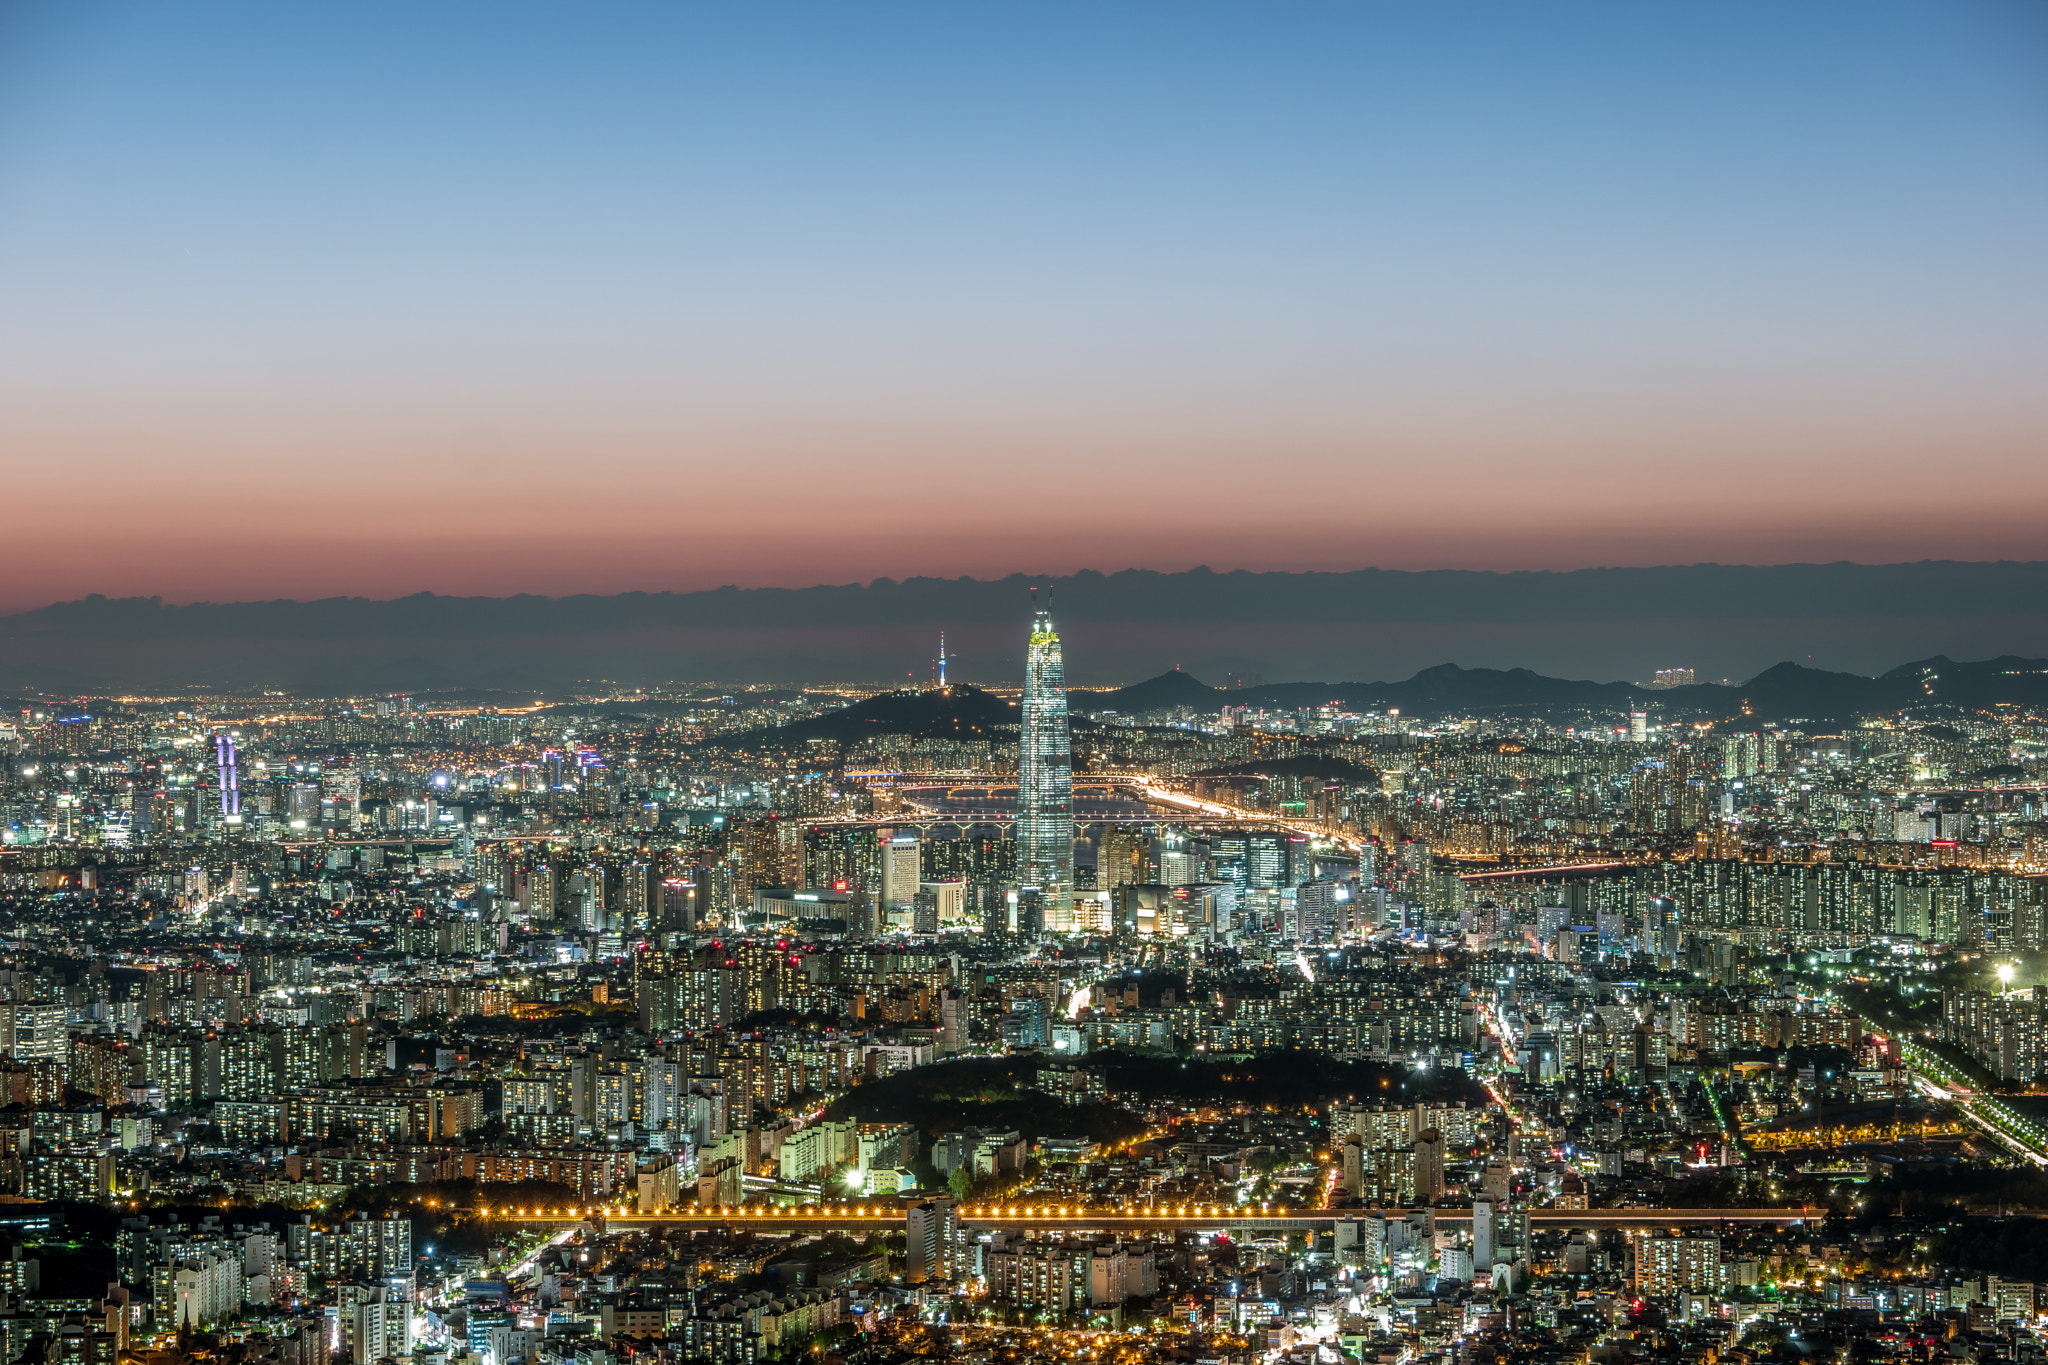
x=384, y=297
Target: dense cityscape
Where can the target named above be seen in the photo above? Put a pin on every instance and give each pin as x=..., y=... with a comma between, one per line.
x=1007, y=1022
x=861, y=684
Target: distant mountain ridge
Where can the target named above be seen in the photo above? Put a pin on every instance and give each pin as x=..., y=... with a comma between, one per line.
x=1170, y=689
x=1783, y=691
x=1669, y=591
x=1330, y=624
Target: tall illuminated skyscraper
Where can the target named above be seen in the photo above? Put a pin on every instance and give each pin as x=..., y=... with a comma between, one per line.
x=230, y=779
x=1045, y=769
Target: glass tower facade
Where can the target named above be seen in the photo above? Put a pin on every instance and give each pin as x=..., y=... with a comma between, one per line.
x=1045, y=770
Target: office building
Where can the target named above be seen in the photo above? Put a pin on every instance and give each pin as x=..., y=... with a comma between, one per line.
x=1045, y=770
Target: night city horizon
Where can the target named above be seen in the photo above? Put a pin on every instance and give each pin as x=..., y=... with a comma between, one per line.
x=1146, y=684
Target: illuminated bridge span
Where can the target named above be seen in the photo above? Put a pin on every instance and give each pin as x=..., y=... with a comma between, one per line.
x=973, y=781
x=927, y=823
x=1058, y=1218
x=1184, y=806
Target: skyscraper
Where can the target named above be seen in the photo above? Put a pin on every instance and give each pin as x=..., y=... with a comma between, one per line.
x=1045, y=770
x=230, y=779
x=902, y=871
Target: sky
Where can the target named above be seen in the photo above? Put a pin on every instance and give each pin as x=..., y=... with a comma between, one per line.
x=492, y=298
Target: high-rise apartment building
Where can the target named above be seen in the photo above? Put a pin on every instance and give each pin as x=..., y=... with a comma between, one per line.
x=1045, y=770
x=1429, y=1165
x=251, y=1062
x=933, y=1244
x=1671, y=1265
x=34, y=1031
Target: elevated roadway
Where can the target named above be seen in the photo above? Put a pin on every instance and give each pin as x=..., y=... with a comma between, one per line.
x=1058, y=1218
x=1934, y=1077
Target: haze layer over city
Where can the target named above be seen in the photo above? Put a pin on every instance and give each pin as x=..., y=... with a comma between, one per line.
x=1154, y=684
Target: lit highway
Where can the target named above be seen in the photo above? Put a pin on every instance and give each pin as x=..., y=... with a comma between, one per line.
x=1056, y=1217
x=1147, y=786
x=1144, y=785
x=1936, y=1079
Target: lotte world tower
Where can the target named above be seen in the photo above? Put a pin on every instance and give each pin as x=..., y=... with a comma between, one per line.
x=1045, y=770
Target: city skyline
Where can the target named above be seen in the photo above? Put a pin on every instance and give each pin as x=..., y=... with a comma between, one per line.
x=548, y=815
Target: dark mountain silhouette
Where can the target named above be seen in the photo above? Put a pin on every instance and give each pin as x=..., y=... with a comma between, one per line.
x=1784, y=692
x=1166, y=692
x=959, y=712
x=1988, y=682
x=1115, y=623
x=1790, y=690
x=1717, y=591
x=1447, y=688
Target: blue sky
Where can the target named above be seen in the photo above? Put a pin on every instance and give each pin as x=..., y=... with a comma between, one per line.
x=1566, y=284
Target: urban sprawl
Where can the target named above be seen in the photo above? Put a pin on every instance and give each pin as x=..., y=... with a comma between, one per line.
x=1013, y=1023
